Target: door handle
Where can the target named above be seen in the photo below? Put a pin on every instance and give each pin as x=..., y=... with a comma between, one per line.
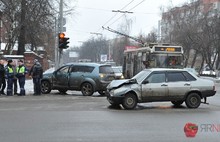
x=164, y=85
x=187, y=84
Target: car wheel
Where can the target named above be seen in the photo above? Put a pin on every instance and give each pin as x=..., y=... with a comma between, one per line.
x=62, y=91
x=102, y=93
x=87, y=89
x=193, y=100
x=45, y=87
x=177, y=103
x=130, y=101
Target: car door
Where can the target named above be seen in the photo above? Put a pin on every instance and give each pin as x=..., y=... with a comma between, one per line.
x=155, y=87
x=178, y=84
x=78, y=75
x=61, y=77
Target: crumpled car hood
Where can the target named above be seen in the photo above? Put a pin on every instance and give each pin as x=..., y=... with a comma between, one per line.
x=118, y=83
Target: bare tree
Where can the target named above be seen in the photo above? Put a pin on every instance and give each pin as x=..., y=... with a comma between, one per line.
x=29, y=22
x=93, y=48
x=195, y=29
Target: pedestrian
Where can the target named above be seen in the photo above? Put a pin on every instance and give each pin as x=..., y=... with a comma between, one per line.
x=15, y=80
x=10, y=75
x=2, y=92
x=146, y=64
x=2, y=73
x=21, y=71
x=36, y=72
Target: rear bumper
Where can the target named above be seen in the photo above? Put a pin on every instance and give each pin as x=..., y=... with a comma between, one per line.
x=208, y=93
x=102, y=86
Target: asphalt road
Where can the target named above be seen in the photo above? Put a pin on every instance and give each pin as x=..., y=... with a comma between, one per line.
x=76, y=118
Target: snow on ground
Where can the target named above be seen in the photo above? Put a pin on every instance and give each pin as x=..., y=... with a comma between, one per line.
x=28, y=87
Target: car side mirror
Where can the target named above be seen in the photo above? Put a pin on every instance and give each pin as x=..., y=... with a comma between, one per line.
x=145, y=82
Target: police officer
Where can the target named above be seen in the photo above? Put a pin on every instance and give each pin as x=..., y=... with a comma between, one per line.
x=37, y=73
x=21, y=71
x=10, y=75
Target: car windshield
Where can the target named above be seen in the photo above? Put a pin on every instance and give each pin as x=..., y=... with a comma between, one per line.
x=105, y=69
x=50, y=70
x=141, y=75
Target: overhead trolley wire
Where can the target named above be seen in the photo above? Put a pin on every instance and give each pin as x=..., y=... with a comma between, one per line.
x=116, y=14
x=128, y=10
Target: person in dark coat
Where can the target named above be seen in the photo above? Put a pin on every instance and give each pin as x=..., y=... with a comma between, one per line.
x=2, y=73
x=15, y=80
x=3, y=85
x=36, y=72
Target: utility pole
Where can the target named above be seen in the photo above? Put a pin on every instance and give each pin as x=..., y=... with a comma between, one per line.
x=56, y=65
x=59, y=51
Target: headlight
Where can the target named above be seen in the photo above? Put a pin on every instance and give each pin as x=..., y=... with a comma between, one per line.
x=119, y=91
x=101, y=75
x=122, y=77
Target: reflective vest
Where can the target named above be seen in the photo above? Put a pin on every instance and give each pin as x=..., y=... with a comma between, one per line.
x=10, y=70
x=20, y=69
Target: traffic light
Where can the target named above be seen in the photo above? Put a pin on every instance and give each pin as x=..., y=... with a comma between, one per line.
x=63, y=41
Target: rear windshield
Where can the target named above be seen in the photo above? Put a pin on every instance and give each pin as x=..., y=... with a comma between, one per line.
x=105, y=69
x=117, y=70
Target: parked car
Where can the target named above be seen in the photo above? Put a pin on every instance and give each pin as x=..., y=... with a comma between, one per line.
x=118, y=72
x=85, y=77
x=153, y=85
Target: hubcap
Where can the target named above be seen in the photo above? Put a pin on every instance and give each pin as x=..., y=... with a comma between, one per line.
x=130, y=101
x=194, y=100
x=87, y=89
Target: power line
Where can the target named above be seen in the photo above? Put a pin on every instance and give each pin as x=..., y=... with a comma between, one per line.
x=117, y=13
x=107, y=10
x=128, y=10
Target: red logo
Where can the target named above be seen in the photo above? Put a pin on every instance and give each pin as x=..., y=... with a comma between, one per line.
x=190, y=129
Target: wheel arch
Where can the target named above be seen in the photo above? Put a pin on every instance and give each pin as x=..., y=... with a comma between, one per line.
x=193, y=91
x=132, y=92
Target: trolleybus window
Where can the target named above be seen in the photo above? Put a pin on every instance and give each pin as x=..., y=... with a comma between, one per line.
x=158, y=56
x=166, y=61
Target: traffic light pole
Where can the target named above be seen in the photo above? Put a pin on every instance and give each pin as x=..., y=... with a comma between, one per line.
x=59, y=61
x=56, y=45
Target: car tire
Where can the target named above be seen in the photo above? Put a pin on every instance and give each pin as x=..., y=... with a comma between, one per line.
x=177, y=103
x=130, y=101
x=87, y=89
x=193, y=100
x=45, y=87
x=62, y=91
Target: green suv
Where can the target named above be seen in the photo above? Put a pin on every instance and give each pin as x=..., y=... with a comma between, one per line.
x=85, y=77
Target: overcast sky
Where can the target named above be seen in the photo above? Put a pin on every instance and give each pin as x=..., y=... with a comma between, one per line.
x=91, y=15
